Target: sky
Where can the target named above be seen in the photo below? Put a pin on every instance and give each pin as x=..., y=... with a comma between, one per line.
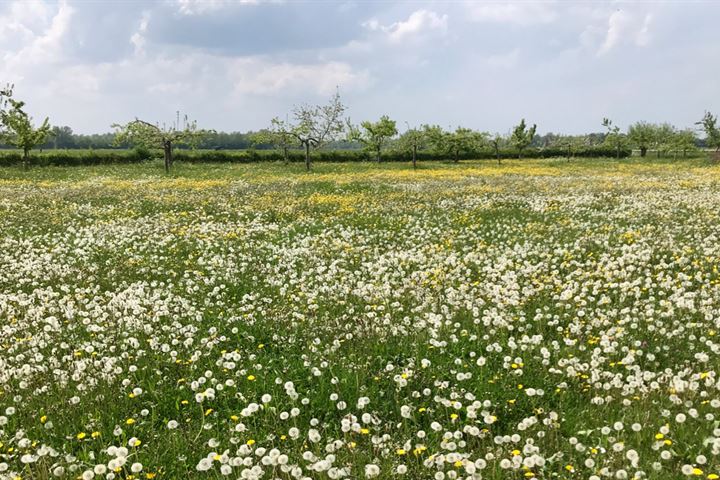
x=234, y=65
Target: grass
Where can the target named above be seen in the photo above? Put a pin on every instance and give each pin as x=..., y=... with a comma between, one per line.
x=535, y=319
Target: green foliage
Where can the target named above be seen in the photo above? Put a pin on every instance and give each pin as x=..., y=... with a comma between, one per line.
x=17, y=126
x=614, y=137
x=277, y=136
x=642, y=135
x=373, y=135
x=712, y=131
x=522, y=136
x=571, y=144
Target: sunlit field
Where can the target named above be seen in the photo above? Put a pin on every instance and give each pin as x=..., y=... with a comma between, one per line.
x=536, y=319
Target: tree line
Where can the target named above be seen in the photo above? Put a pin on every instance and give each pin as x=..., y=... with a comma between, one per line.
x=309, y=128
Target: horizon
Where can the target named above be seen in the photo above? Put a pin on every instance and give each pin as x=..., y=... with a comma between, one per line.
x=234, y=65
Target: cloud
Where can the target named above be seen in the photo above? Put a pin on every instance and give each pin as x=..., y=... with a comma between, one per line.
x=526, y=13
x=622, y=28
x=199, y=7
x=418, y=23
x=258, y=77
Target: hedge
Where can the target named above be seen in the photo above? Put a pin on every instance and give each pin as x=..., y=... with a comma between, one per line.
x=102, y=157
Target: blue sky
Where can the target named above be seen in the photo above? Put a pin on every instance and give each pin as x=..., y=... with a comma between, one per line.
x=233, y=65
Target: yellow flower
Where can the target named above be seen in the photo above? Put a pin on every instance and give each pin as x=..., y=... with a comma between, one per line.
x=80, y=435
x=516, y=453
x=43, y=419
x=659, y=436
x=150, y=475
x=569, y=468
x=251, y=378
x=364, y=431
x=251, y=442
x=529, y=474
x=458, y=464
x=352, y=444
x=131, y=395
x=453, y=416
x=208, y=411
x=217, y=457
x=95, y=434
x=697, y=471
x=234, y=418
x=400, y=451
x=712, y=476
x=130, y=421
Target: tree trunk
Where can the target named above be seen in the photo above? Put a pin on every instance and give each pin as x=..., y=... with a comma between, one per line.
x=643, y=151
x=497, y=154
x=378, y=155
x=307, y=156
x=457, y=152
x=167, y=148
x=414, y=157
x=285, y=155
x=26, y=158
x=519, y=153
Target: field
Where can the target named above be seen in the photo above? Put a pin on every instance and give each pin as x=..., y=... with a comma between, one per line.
x=538, y=319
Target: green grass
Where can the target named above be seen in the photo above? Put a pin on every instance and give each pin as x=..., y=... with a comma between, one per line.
x=590, y=290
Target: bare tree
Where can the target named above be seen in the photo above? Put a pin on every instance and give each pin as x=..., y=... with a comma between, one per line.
x=142, y=133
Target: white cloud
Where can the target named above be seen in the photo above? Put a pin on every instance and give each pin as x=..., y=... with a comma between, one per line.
x=418, y=23
x=526, y=13
x=199, y=7
x=642, y=39
x=138, y=38
x=252, y=76
x=622, y=28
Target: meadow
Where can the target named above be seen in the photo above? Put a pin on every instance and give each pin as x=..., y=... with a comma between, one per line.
x=536, y=319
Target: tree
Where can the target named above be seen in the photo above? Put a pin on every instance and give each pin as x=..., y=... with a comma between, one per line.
x=315, y=125
x=683, y=141
x=496, y=142
x=712, y=131
x=614, y=138
x=373, y=135
x=571, y=144
x=663, y=138
x=642, y=136
x=278, y=135
x=463, y=140
x=435, y=136
x=63, y=137
x=17, y=127
x=144, y=134
x=411, y=141
x=522, y=136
